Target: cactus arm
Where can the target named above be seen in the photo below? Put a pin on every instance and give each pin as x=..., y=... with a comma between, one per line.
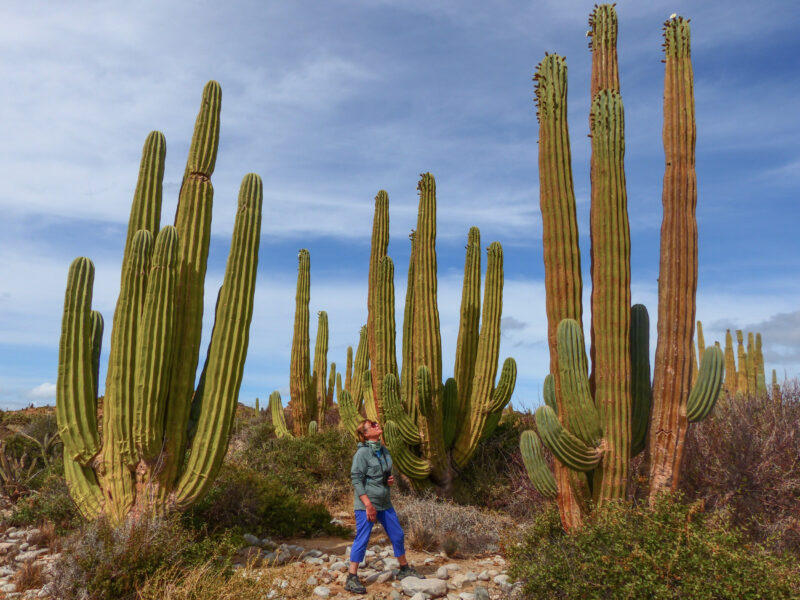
x=761, y=380
x=535, y=465
x=407, y=373
x=193, y=222
x=562, y=258
x=394, y=410
x=76, y=404
x=641, y=392
x=408, y=463
x=278, y=419
x=348, y=371
x=312, y=428
x=504, y=389
x=472, y=428
x=450, y=412
x=369, y=403
x=741, y=373
x=603, y=44
x=701, y=341
x=751, y=364
x=154, y=347
x=730, y=365
x=469, y=326
x=121, y=378
x=549, y=392
x=300, y=371
x=320, y=373
x=360, y=365
x=384, y=361
x=678, y=263
x=378, y=353
x=611, y=290
x=83, y=488
x=228, y=348
x=425, y=391
x=582, y=418
x=705, y=392
x=146, y=206
x=427, y=332
x=567, y=448
x=332, y=377
x=349, y=417
x=97, y=344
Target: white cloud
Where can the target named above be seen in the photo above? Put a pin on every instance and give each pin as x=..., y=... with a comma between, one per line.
x=43, y=391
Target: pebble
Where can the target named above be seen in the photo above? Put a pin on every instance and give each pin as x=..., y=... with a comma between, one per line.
x=322, y=591
x=442, y=573
x=251, y=539
x=481, y=593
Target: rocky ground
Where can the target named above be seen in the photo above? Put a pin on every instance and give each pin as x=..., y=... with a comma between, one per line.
x=314, y=568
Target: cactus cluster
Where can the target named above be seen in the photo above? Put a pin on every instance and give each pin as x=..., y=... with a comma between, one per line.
x=152, y=413
x=431, y=427
x=593, y=422
x=745, y=376
x=311, y=391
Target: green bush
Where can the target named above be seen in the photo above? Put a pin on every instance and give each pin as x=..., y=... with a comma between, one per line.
x=671, y=551
x=316, y=466
x=251, y=502
x=51, y=503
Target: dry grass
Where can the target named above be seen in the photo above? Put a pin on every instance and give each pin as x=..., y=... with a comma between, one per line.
x=46, y=537
x=29, y=576
x=203, y=582
x=745, y=459
x=433, y=524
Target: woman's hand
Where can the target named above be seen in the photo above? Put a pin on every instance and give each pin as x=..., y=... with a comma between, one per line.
x=390, y=480
x=372, y=514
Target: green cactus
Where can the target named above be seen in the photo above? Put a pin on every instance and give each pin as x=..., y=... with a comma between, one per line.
x=434, y=428
x=312, y=428
x=776, y=388
x=309, y=394
x=758, y=360
x=594, y=422
x=741, y=372
x=139, y=463
x=730, y=365
x=256, y=407
x=278, y=418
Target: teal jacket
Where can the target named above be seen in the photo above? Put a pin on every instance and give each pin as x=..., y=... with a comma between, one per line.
x=367, y=475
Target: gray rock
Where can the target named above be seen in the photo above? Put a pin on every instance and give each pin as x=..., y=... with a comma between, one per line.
x=24, y=546
x=452, y=567
x=312, y=581
x=312, y=560
x=436, y=588
x=483, y=575
x=8, y=588
x=466, y=596
x=338, y=566
x=314, y=553
x=251, y=539
x=481, y=593
x=471, y=576
x=322, y=591
x=396, y=595
x=6, y=572
x=391, y=563
x=371, y=578
x=29, y=555
x=16, y=535
x=493, y=572
x=6, y=546
x=429, y=561
x=384, y=577
x=442, y=573
x=502, y=579
x=420, y=596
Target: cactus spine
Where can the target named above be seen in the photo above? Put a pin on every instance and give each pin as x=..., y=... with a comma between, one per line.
x=430, y=427
x=139, y=462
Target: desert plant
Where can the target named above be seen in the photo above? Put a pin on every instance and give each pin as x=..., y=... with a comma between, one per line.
x=672, y=550
x=433, y=429
x=595, y=421
x=151, y=410
x=310, y=398
x=278, y=418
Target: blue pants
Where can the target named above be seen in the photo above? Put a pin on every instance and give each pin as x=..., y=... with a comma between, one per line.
x=388, y=519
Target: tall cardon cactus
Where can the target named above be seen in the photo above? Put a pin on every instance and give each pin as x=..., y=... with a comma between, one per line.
x=310, y=398
x=593, y=422
x=152, y=413
x=433, y=428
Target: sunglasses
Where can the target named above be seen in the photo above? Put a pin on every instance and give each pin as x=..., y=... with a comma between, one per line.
x=372, y=424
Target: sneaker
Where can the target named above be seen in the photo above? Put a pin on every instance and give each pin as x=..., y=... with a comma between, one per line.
x=353, y=584
x=408, y=571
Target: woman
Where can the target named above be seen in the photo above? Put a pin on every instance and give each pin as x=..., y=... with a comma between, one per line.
x=371, y=473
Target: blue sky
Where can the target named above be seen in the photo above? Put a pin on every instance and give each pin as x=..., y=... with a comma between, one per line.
x=330, y=102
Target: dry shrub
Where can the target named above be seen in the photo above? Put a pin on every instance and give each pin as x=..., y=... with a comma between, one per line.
x=46, y=537
x=745, y=459
x=29, y=576
x=472, y=530
x=204, y=582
